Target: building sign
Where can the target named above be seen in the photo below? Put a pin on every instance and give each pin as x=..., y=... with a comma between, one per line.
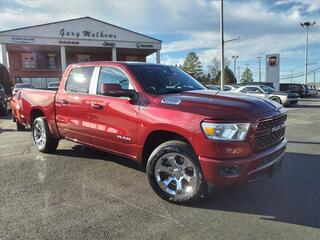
x=273, y=69
x=108, y=44
x=272, y=60
x=87, y=33
x=143, y=45
x=22, y=39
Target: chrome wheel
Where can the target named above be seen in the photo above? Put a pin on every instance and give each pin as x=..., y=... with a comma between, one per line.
x=176, y=174
x=39, y=135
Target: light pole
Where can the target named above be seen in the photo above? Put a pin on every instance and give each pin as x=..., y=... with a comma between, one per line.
x=234, y=65
x=306, y=25
x=259, y=58
x=222, y=46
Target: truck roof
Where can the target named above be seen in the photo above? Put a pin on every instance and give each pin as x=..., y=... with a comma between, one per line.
x=114, y=62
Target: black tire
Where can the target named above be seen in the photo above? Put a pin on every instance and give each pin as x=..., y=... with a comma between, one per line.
x=276, y=99
x=20, y=127
x=50, y=143
x=181, y=148
x=3, y=108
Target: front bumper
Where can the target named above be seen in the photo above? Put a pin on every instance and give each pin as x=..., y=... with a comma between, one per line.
x=249, y=168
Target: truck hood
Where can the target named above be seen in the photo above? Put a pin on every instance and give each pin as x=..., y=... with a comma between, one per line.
x=219, y=104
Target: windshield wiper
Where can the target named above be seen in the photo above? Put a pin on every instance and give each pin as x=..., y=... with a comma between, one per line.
x=170, y=90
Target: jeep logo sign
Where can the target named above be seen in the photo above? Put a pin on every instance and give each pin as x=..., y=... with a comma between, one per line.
x=272, y=60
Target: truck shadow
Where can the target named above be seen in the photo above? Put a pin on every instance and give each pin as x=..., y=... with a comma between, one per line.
x=291, y=197
x=80, y=151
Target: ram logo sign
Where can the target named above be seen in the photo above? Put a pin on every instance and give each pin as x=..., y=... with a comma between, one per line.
x=277, y=128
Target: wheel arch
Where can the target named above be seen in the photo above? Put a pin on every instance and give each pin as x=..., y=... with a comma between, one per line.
x=35, y=113
x=157, y=137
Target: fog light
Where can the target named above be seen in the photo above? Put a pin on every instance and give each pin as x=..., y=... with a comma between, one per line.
x=229, y=171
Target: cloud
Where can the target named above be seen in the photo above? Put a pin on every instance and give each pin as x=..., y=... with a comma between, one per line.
x=190, y=25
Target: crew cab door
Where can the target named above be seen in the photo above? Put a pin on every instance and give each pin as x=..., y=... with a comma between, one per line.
x=113, y=120
x=73, y=105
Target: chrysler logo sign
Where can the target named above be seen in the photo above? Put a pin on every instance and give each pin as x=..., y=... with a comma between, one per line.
x=272, y=60
x=277, y=128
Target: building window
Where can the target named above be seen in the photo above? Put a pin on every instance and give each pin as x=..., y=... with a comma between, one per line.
x=52, y=61
x=83, y=58
x=29, y=60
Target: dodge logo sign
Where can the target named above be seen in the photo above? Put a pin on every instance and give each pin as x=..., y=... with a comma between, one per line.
x=272, y=60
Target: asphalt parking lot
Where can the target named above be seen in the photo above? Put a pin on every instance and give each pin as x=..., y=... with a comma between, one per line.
x=82, y=193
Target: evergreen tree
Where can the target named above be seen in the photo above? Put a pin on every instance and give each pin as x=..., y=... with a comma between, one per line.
x=247, y=76
x=193, y=66
x=229, y=77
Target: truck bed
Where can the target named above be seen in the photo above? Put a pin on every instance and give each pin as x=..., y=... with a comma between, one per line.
x=38, y=99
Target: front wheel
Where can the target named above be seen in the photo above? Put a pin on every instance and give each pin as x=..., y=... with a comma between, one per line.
x=42, y=137
x=174, y=172
x=276, y=99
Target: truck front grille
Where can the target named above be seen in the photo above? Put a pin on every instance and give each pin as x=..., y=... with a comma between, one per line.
x=270, y=132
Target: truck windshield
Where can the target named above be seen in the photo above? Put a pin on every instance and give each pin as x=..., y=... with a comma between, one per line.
x=160, y=79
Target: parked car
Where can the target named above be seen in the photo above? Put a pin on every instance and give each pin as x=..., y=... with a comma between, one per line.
x=293, y=88
x=308, y=90
x=226, y=87
x=53, y=85
x=213, y=87
x=3, y=101
x=187, y=136
x=20, y=86
x=314, y=90
x=16, y=106
x=283, y=98
x=269, y=84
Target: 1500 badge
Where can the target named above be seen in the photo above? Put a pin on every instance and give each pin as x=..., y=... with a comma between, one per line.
x=124, y=138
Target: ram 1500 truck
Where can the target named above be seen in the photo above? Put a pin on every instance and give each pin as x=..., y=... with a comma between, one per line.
x=186, y=136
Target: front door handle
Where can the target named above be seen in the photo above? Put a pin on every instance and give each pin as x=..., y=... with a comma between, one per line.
x=64, y=102
x=96, y=106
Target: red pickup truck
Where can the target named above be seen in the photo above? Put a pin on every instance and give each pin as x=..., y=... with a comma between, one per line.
x=187, y=137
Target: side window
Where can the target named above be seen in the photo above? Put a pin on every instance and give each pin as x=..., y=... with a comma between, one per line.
x=251, y=90
x=112, y=75
x=79, y=80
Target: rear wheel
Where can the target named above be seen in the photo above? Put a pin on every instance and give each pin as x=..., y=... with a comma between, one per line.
x=20, y=127
x=174, y=172
x=42, y=137
x=3, y=107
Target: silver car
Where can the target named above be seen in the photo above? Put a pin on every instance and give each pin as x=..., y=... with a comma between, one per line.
x=283, y=98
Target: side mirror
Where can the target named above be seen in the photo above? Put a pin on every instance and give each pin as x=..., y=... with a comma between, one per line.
x=115, y=90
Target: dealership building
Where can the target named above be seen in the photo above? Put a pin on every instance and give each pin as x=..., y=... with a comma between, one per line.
x=39, y=54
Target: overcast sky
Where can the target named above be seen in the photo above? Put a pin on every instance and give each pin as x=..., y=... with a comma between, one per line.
x=269, y=26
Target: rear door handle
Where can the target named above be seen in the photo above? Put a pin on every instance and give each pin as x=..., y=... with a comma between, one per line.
x=96, y=106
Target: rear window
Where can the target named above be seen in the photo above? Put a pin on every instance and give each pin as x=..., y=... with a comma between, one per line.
x=79, y=80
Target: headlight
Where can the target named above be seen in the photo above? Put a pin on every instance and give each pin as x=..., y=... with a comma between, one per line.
x=225, y=131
